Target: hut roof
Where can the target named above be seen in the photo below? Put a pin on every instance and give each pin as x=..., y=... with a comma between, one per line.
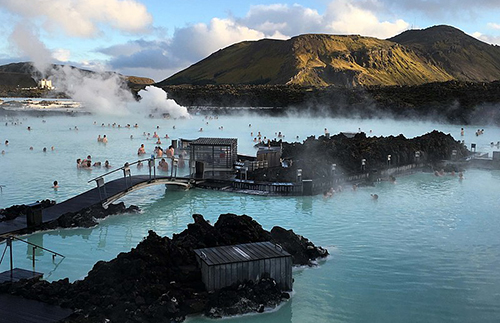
x=241, y=253
x=214, y=141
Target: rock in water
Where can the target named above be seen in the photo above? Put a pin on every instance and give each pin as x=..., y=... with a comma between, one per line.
x=159, y=280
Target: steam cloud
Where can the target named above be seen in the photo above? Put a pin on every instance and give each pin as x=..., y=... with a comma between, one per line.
x=102, y=93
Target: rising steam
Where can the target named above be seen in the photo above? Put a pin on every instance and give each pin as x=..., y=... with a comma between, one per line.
x=100, y=93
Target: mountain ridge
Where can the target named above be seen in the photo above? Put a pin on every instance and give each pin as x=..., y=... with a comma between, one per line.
x=410, y=58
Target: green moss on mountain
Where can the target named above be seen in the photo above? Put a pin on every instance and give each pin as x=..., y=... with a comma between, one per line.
x=415, y=57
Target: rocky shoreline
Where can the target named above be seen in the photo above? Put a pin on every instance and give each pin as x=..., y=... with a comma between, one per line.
x=85, y=218
x=358, y=155
x=159, y=280
x=454, y=101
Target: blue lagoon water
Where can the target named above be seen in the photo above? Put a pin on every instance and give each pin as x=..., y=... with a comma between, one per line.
x=427, y=251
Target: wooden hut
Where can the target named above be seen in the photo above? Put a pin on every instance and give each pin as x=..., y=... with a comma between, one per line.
x=214, y=155
x=270, y=155
x=226, y=265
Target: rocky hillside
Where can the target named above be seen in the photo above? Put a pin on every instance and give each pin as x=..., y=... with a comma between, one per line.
x=462, y=56
x=415, y=57
x=24, y=75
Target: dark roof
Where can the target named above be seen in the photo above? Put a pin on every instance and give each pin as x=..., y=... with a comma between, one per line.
x=215, y=141
x=240, y=253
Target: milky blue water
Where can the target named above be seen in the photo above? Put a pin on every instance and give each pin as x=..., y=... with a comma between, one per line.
x=427, y=251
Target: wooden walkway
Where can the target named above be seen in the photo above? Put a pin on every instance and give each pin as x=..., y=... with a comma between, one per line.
x=18, y=274
x=110, y=192
x=15, y=309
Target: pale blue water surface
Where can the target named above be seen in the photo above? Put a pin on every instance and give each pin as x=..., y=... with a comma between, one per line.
x=427, y=251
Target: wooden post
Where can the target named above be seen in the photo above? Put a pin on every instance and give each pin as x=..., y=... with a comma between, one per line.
x=9, y=244
x=34, y=248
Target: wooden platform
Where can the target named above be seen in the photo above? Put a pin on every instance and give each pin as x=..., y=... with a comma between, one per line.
x=114, y=189
x=18, y=274
x=15, y=309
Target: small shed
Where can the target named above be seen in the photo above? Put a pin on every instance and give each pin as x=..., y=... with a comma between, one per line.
x=271, y=155
x=216, y=154
x=226, y=265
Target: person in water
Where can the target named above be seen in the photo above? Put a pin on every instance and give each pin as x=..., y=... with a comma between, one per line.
x=163, y=165
x=56, y=185
x=374, y=196
x=141, y=150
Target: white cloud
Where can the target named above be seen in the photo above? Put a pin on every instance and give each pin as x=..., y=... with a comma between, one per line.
x=82, y=18
x=61, y=54
x=197, y=41
x=493, y=25
x=494, y=40
x=346, y=18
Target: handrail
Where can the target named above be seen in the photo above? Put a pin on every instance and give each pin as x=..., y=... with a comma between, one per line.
x=34, y=245
x=10, y=238
x=120, y=168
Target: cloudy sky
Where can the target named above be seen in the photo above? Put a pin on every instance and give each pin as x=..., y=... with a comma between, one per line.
x=157, y=38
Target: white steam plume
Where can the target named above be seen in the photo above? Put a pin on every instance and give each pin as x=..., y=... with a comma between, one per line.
x=102, y=93
x=27, y=42
x=156, y=99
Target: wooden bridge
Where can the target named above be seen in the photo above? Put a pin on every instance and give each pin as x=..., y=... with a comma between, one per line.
x=105, y=193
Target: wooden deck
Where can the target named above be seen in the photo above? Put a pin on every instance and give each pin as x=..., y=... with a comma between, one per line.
x=110, y=192
x=18, y=274
x=15, y=309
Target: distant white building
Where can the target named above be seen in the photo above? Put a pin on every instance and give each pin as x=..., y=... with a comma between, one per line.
x=45, y=84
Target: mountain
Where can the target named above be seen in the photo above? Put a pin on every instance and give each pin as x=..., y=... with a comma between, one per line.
x=24, y=75
x=462, y=56
x=436, y=54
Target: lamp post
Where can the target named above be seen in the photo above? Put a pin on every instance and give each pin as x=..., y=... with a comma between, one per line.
x=363, y=164
x=388, y=160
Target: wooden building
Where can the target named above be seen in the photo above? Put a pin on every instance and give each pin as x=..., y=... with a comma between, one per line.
x=226, y=265
x=270, y=155
x=215, y=156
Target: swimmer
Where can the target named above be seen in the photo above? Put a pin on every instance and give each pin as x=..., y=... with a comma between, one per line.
x=141, y=150
x=392, y=179
x=155, y=135
x=201, y=130
x=6, y=142
x=131, y=137
x=99, y=139
x=29, y=128
x=139, y=164
x=163, y=165
x=104, y=139
x=106, y=164
x=158, y=142
x=374, y=196
x=44, y=149
x=462, y=132
x=31, y=147
x=97, y=164
x=56, y=185
x=460, y=176
x=354, y=187
x=52, y=148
